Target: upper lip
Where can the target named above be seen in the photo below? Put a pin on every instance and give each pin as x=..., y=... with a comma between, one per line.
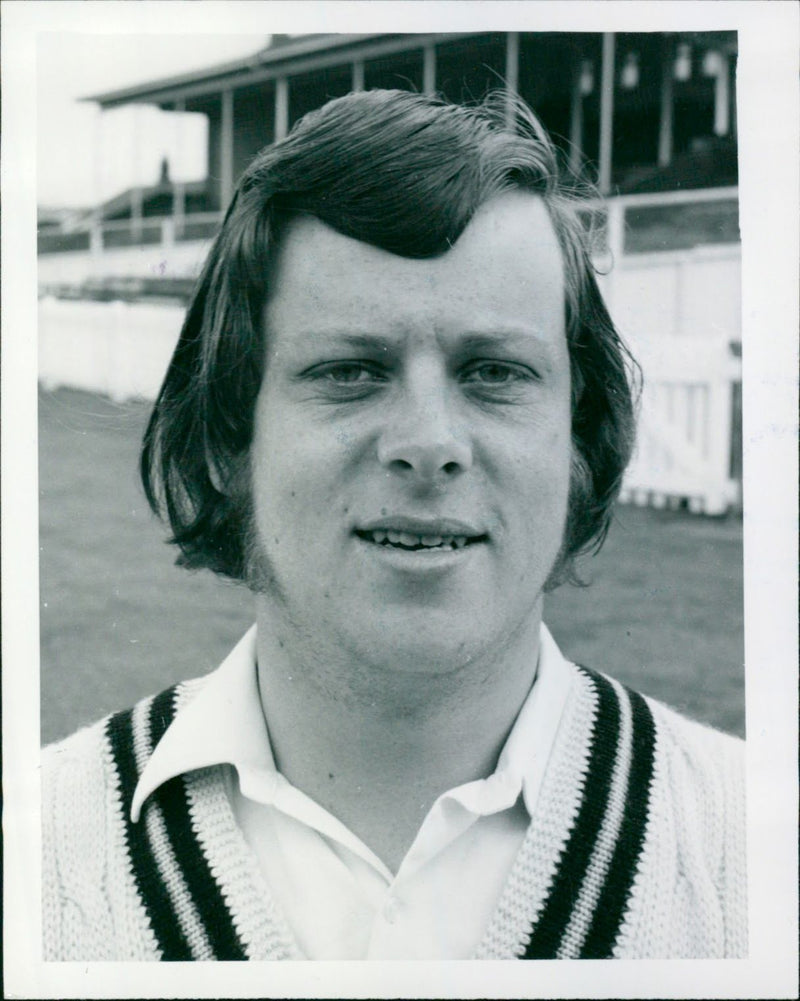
x=422, y=526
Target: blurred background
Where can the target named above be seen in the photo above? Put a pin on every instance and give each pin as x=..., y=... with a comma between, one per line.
x=132, y=182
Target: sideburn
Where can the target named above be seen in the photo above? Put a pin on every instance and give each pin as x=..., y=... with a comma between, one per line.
x=578, y=524
x=258, y=574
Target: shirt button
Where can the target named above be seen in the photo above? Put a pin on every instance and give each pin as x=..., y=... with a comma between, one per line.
x=391, y=910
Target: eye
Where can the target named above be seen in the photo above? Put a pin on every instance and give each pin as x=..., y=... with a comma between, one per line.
x=347, y=372
x=496, y=374
x=345, y=380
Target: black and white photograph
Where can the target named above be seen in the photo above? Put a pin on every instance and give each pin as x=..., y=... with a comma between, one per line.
x=405, y=445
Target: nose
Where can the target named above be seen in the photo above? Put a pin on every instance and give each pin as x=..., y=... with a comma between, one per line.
x=421, y=439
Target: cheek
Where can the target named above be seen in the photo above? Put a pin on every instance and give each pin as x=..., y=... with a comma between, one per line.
x=299, y=471
x=544, y=483
x=551, y=440
x=270, y=471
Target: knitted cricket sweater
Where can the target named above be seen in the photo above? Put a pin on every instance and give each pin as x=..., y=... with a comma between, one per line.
x=635, y=849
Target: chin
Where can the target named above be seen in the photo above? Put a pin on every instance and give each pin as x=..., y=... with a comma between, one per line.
x=436, y=647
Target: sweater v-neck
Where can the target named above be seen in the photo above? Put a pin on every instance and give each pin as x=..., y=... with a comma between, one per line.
x=549, y=904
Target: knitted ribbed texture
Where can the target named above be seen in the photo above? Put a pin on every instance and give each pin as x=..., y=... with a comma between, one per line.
x=635, y=848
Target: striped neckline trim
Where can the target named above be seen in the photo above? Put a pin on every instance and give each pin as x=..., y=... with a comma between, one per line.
x=578, y=884
x=588, y=893
x=178, y=890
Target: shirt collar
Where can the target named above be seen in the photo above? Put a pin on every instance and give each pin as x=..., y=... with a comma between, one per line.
x=523, y=759
x=224, y=723
x=527, y=750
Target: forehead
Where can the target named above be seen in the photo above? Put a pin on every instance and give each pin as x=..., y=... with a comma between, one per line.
x=505, y=267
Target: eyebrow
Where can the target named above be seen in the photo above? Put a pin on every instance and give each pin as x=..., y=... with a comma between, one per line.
x=366, y=342
x=480, y=340
x=467, y=341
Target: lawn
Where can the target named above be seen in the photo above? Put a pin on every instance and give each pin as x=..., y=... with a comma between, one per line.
x=663, y=612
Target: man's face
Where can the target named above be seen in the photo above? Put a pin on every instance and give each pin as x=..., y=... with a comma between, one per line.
x=411, y=450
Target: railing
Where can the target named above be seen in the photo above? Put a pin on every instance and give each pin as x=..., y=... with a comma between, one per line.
x=162, y=231
x=627, y=225
x=165, y=230
x=627, y=229
x=49, y=242
x=662, y=222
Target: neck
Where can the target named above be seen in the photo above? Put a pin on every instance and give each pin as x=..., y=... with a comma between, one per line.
x=376, y=746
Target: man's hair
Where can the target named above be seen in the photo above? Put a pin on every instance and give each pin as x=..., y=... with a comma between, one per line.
x=404, y=172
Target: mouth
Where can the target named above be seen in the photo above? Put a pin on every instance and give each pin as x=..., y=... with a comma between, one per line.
x=421, y=537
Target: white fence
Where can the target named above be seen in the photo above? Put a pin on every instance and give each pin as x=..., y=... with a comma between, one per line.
x=683, y=446
x=119, y=349
x=680, y=313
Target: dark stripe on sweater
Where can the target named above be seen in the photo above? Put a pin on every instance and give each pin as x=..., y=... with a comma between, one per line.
x=615, y=895
x=152, y=892
x=161, y=715
x=554, y=917
x=205, y=892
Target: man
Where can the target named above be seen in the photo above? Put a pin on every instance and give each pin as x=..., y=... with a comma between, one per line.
x=398, y=411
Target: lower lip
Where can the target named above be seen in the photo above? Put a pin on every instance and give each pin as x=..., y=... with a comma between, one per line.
x=420, y=560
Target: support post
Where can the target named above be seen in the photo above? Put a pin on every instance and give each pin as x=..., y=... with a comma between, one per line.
x=606, y=113
x=722, y=99
x=96, y=225
x=136, y=213
x=136, y=190
x=178, y=186
x=281, y=107
x=96, y=241
x=576, y=117
x=429, y=68
x=512, y=72
x=98, y=162
x=358, y=75
x=226, y=150
x=666, y=119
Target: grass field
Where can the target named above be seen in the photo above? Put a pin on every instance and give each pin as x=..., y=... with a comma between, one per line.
x=118, y=620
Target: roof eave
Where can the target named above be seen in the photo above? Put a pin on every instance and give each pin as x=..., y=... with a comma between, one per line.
x=158, y=91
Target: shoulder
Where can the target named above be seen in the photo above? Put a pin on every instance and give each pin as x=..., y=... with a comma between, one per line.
x=696, y=755
x=697, y=750
x=687, y=783
x=151, y=712
x=686, y=777
x=88, y=781
x=90, y=758
x=88, y=778
x=701, y=774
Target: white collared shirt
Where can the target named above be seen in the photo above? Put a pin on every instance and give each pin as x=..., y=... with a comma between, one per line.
x=336, y=895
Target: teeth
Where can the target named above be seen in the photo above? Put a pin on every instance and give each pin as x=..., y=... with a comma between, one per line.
x=408, y=540
x=431, y=540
